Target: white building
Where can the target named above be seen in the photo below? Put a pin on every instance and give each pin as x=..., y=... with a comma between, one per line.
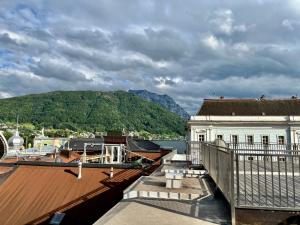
x=42, y=142
x=247, y=121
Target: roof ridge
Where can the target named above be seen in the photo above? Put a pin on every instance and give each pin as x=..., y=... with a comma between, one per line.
x=250, y=99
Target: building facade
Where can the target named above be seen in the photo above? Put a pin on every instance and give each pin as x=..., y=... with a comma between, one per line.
x=247, y=121
x=41, y=141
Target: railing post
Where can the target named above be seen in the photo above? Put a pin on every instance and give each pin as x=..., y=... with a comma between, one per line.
x=237, y=179
x=199, y=153
x=203, y=153
x=232, y=199
x=217, y=164
x=209, y=148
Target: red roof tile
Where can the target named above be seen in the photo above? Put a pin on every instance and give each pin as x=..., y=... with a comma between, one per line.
x=250, y=107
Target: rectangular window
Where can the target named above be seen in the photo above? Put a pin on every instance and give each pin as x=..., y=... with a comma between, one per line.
x=281, y=140
x=201, y=138
x=220, y=136
x=265, y=140
x=235, y=139
x=250, y=139
x=115, y=154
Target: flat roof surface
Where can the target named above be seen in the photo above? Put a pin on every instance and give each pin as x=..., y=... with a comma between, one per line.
x=208, y=208
x=141, y=211
x=34, y=193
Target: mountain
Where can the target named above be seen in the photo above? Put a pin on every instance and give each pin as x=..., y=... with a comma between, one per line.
x=91, y=111
x=163, y=100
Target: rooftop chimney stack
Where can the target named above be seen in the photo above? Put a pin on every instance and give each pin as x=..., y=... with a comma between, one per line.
x=79, y=170
x=111, y=172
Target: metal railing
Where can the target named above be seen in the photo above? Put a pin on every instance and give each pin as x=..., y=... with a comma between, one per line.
x=194, y=153
x=261, y=146
x=267, y=180
x=253, y=178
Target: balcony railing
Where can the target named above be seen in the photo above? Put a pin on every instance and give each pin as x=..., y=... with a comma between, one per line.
x=261, y=177
x=261, y=146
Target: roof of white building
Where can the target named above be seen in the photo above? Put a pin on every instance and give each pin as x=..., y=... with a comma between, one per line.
x=250, y=107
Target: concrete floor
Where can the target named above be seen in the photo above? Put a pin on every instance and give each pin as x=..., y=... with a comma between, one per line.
x=210, y=209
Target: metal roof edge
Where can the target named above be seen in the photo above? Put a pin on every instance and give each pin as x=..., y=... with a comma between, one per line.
x=84, y=165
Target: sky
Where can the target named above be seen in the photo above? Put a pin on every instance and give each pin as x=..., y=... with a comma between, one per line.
x=189, y=49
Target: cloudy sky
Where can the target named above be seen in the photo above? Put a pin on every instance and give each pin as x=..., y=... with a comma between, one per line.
x=188, y=49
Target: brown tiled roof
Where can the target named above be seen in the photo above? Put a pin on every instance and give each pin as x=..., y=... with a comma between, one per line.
x=250, y=107
x=115, y=139
x=72, y=156
x=5, y=169
x=34, y=193
x=9, y=160
x=149, y=155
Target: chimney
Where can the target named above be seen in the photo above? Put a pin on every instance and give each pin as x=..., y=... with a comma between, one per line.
x=111, y=172
x=79, y=170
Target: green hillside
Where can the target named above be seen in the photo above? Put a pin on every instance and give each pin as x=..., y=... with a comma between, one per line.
x=91, y=111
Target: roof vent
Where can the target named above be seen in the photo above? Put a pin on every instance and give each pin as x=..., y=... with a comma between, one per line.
x=263, y=113
x=111, y=172
x=233, y=113
x=79, y=170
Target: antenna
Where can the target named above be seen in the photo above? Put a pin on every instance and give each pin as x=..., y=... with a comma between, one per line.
x=17, y=123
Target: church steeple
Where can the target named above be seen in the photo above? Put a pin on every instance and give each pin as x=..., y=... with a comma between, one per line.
x=16, y=141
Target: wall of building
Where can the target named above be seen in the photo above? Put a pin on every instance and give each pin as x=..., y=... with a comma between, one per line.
x=211, y=133
x=227, y=126
x=55, y=142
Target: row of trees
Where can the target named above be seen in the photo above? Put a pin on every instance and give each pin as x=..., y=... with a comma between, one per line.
x=92, y=112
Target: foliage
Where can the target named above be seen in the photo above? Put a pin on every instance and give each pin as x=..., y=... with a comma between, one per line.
x=90, y=111
x=7, y=134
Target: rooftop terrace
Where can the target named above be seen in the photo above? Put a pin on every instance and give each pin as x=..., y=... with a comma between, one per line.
x=148, y=201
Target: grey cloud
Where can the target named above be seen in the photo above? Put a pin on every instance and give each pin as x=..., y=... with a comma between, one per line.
x=46, y=68
x=95, y=39
x=110, y=45
x=158, y=45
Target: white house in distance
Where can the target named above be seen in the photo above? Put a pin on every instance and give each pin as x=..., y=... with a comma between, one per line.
x=249, y=121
